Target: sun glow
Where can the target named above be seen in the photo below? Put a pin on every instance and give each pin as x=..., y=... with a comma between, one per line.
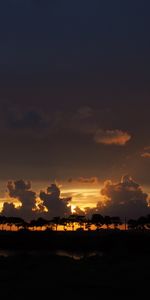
x=82, y=197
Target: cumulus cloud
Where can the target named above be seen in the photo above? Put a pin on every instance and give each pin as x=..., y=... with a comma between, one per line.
x=21, y=191
x=125, y=198
x=49, y=205
x=55, y=205
x=111, y=137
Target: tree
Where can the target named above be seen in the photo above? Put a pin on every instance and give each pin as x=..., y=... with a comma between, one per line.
x=107, y=221
x=3, y=221
x=116, y=222
x=72, y=219
x=56, y=221
x=64, y=222
x=132, y=224
x=141, y=223
x=97, y=220
x=88, y=224
x=18, y=222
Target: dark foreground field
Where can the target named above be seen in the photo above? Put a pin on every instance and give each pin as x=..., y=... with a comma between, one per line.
x=122, y=271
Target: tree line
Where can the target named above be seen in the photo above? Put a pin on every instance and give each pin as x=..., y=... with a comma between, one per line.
x=76, y=222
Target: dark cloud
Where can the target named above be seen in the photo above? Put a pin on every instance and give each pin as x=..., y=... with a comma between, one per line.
x=50, y=205
x=79, y=211
x=85, y=112
x=56, y=205
x=21, y=191
x=124, y=199
x=27, y=120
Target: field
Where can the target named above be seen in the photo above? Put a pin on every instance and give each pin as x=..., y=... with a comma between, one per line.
x=122, y=270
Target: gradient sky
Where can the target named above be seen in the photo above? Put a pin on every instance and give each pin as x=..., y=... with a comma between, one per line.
x=74, y=90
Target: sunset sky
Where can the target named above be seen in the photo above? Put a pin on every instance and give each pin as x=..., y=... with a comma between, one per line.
x=74, y=95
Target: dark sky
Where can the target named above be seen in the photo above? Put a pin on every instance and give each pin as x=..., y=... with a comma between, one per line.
x=74, y=89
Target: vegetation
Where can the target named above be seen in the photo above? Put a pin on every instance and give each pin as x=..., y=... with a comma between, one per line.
x=74, y=222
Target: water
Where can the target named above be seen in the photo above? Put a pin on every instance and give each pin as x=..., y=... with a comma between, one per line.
x=78, y=255
x=63, y=253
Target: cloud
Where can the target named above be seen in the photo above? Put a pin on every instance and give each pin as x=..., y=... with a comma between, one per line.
x=111, y=137
x=26, y=120
x=145, y=155
x=56, y=205
x=125, y=198
x=147, y=148
x=70, y=180
x=91, y=180
x=79, y=211
x=21, y=191
x=49, y=205
x=85, y=112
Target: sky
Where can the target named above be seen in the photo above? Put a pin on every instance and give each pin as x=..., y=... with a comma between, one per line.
x=74, y=94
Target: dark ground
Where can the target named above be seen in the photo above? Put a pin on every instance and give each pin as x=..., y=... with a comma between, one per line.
x=122, y=272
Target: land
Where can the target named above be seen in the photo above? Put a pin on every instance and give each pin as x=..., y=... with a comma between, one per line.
x=122, y=270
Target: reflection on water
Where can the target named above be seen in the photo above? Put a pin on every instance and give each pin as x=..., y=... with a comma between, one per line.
x=65, y=253
x=7, y=253
x=78, y=255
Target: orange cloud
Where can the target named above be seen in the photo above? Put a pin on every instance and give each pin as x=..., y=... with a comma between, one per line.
x=111, y=137
x=147, y=148
x=88, y=180
x=145, y=155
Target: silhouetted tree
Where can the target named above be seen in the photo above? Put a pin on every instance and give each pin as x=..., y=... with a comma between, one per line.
x=18, y=222
x=116, y=222
x=72, y=219
x=40, y=222
x=88, y=224
x=81, y=220
x=132, y=224
x=3, y=221
x=107, y=221
x=33, y=224
x=148, y=221
x=141, y=223
x=97, y=220
x=64, y=222
x=56, y=221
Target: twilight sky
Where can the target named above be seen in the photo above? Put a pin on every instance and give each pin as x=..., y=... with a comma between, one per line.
x=74, y=90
